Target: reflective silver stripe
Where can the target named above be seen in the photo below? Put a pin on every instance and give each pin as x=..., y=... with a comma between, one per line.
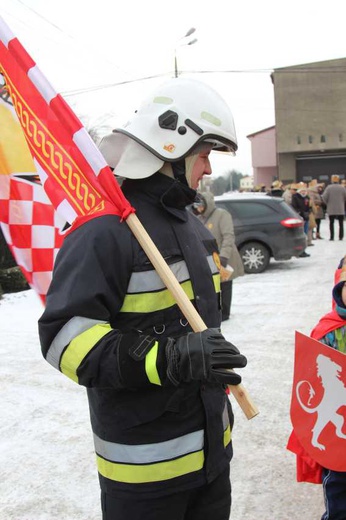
x=70, y=330
x=212, y=264
x=225, y=417
x=149, y=453
x=149, y=281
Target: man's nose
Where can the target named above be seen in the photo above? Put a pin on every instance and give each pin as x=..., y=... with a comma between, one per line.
x=208, y=169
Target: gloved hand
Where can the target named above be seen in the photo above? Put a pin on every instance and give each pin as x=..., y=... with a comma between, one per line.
x=203, y=356
x=200, y=356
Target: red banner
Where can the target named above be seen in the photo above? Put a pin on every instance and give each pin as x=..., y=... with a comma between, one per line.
x=72, y=171
x=318, y=405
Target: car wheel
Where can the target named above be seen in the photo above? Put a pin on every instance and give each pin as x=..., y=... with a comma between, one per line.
x=255, y=257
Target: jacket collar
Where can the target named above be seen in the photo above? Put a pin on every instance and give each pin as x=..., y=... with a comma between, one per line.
x=160, y=189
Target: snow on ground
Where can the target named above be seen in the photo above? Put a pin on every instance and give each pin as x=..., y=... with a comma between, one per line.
x=47, y=466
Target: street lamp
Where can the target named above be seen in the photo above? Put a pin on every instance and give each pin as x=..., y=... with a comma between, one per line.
x=191, y=42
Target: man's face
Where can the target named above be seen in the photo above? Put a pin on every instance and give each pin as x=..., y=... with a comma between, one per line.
x=200, y=168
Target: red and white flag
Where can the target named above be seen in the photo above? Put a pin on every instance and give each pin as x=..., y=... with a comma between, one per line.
x=73, y=172
x=30, y=225
x=318, y=405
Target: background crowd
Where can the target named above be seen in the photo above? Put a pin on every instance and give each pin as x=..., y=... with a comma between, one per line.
x=313, y=201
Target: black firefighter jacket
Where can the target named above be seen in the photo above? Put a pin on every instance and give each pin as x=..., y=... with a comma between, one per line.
x=152, y=440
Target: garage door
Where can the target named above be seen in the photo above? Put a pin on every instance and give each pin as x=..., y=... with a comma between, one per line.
x=320, y=167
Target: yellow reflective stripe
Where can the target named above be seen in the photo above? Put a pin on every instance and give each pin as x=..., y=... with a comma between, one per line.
x=227, y=436
x=138, y=474
x=150, y=365
x=153, y=301
x=217, y=282
x=79, y=347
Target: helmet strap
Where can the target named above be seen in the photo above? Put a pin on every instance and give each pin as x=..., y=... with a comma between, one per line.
x=179, y=171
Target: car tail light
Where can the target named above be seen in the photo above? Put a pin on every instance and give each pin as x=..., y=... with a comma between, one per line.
x=292, y=222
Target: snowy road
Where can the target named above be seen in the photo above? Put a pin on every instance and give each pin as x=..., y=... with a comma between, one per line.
x=47, y=468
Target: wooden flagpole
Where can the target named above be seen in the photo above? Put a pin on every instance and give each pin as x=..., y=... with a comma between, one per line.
x=239, y=392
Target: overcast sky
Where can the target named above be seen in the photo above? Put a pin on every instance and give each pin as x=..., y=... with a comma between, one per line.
x=84, y=48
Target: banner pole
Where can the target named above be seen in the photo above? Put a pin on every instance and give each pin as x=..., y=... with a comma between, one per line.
x=197, y=324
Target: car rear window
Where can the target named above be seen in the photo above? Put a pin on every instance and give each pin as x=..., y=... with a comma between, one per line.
x=246, y=209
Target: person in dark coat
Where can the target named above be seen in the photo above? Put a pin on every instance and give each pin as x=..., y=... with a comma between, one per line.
x=160, y=414
x=276, y=189
x=334, y=197
x=301, y=204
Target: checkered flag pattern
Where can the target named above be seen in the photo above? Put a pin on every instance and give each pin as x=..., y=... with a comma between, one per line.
x=32, y=229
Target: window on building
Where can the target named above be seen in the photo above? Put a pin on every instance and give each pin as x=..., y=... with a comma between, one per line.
x=323, y=138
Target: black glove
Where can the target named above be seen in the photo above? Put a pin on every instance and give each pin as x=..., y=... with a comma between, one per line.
x=200, y=356
x=204, y=356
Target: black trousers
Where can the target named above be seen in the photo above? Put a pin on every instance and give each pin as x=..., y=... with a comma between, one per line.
x=226, y=299
x=318, y=225
x=340, y=218
x=209, y=502
x=334, y=490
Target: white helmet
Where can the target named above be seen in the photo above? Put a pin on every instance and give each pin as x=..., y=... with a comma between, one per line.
x=170, y=123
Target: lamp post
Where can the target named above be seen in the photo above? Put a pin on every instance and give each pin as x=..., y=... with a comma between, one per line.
x=191, y=42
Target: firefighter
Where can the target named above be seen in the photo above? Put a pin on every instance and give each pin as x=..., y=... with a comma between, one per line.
x=160, y=416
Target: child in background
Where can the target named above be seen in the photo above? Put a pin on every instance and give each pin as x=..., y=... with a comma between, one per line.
x=330, y=330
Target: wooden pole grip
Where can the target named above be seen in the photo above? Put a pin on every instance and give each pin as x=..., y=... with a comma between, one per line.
x=197, y=324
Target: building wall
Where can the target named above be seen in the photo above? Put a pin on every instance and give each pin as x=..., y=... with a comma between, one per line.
x=265, y=175
x=310, y=114
x=287, y=167
x=263, y=153
x=263, y=148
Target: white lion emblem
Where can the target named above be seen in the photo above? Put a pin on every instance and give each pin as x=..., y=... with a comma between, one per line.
x=333, y=398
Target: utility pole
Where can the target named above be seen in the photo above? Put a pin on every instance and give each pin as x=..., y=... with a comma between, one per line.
x=191, y=42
